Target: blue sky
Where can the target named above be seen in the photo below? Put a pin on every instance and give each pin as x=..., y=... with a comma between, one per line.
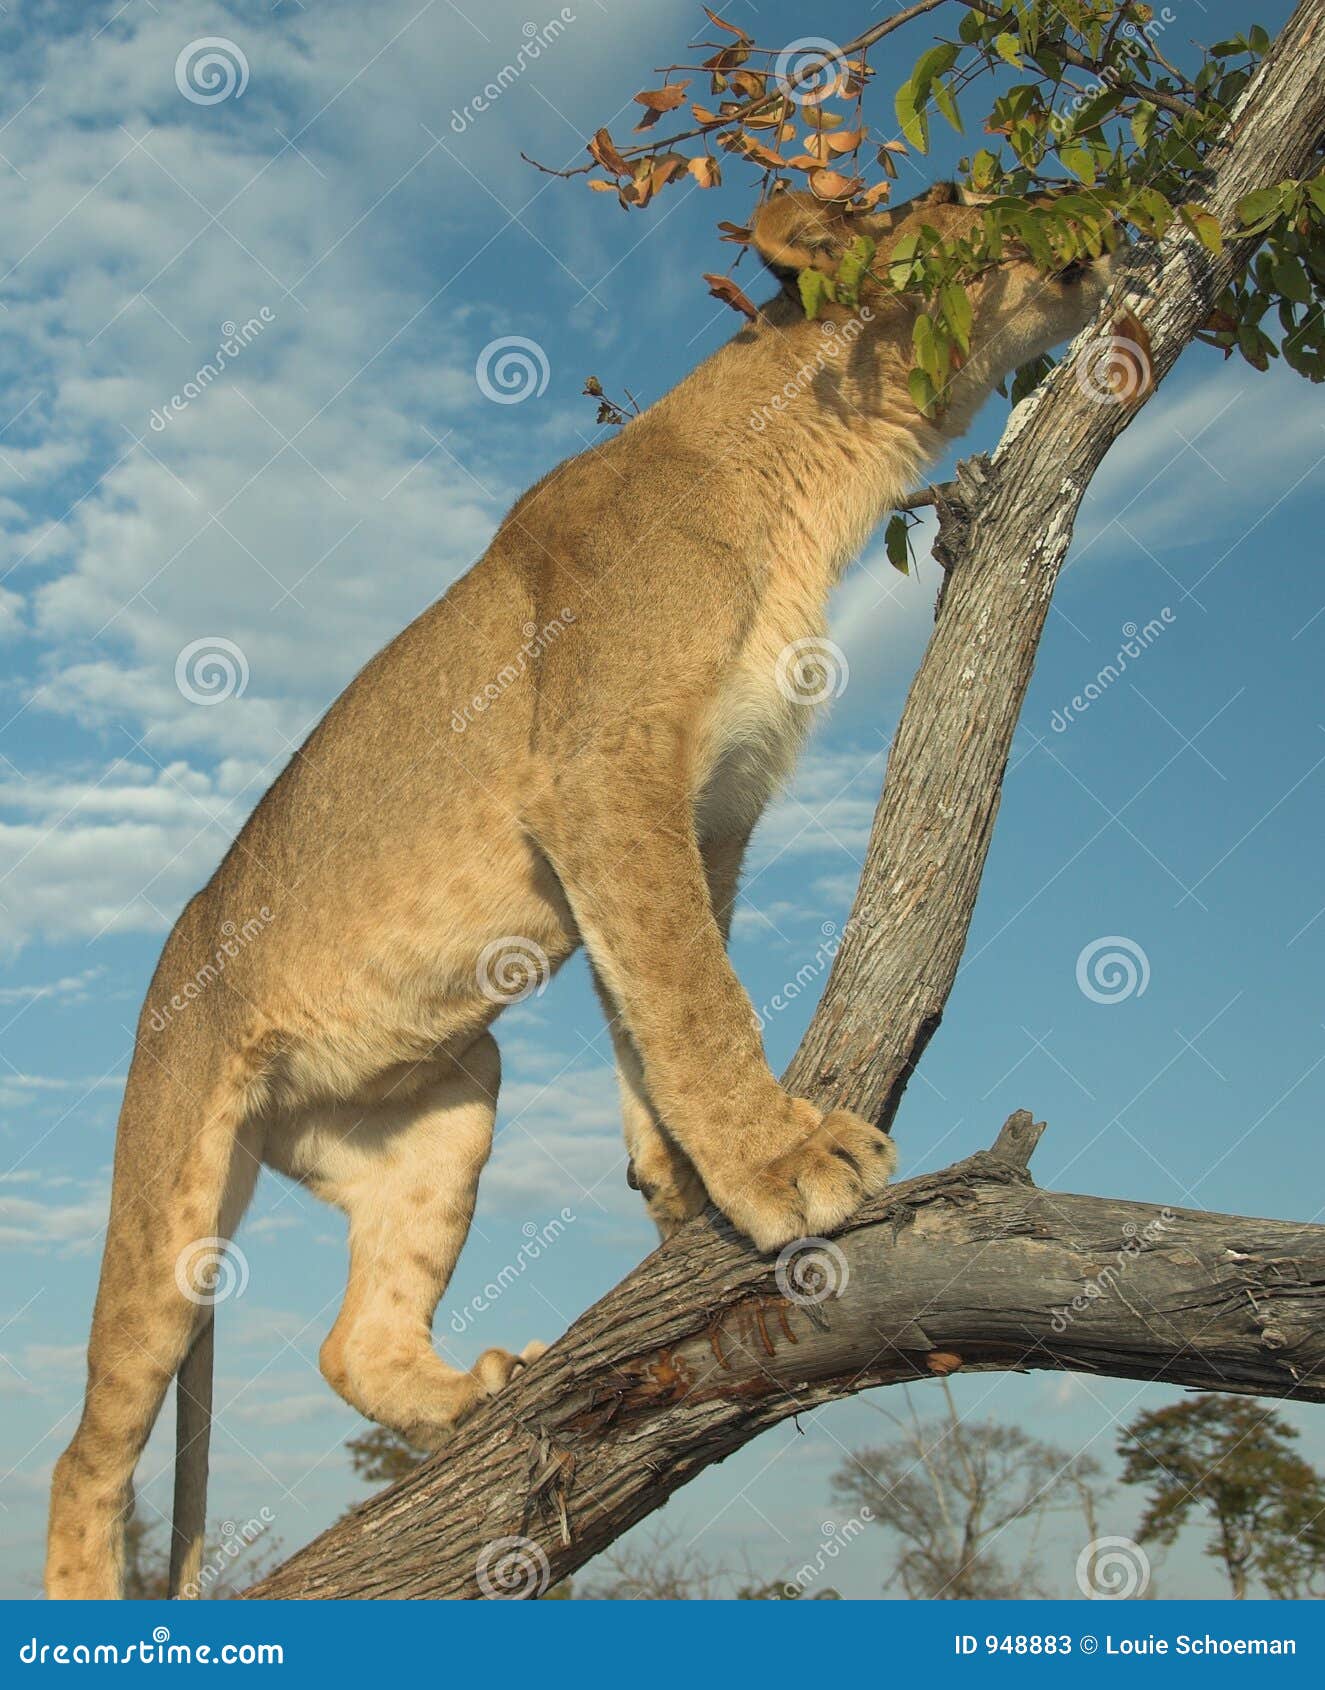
x=345, y=467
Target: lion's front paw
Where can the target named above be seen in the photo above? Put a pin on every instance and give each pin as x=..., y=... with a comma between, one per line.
x=816, y=1185
x=494, y=1368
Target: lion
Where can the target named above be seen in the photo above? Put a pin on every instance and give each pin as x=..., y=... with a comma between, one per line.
x=570, y=747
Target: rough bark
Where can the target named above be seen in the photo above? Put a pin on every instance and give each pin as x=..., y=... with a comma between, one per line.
x=701, y=1347
x=706, y=1344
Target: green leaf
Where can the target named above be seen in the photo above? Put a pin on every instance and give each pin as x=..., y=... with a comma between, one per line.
x=922, y=392
x=813, y=285
x=985, y=171
x=1007, y=46
x=1080, y=161
x=1029, y=377
x=1257, y=211
x=1257, y=39
x=1291, y=279
x=1204, y=226
x=1143, y=123
x=911, y=116
x=902, y=262
x=926, y=343
x=897, y=544
x=957, y=314
x=944, y=100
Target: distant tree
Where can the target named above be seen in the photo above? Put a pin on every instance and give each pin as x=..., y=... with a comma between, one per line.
x=661, y=1568
x=948, y=1490
x=1230, y=1460
x=380, y=1456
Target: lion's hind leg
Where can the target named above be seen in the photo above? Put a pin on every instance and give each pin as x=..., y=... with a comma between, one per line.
x=405, y=1170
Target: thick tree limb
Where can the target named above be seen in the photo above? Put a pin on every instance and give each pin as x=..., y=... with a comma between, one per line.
x=701, y=1348
x=706, y=1344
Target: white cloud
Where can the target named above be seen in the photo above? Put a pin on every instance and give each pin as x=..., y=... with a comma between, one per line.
x=119, y=852
x=72, y=988
x=68, y=1228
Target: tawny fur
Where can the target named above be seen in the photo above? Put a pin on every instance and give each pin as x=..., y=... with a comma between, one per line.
x=572, y=745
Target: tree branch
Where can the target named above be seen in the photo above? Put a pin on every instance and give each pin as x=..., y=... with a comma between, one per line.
x=706, y=1344
x=1003, y=535
x=701, y=1347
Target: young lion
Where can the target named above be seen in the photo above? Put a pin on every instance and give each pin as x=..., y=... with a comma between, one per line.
x=573, y=744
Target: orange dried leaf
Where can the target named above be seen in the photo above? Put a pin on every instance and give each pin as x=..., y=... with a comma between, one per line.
x=749, y=83
x=603, y=149
x=727, y=58
x=832, y=185
x=705, y=171
x=725, y=289
x=663, y=99
x=844, y=143
x=723, y=24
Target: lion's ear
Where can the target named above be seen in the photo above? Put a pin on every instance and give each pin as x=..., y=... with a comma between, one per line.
x=795, y=231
